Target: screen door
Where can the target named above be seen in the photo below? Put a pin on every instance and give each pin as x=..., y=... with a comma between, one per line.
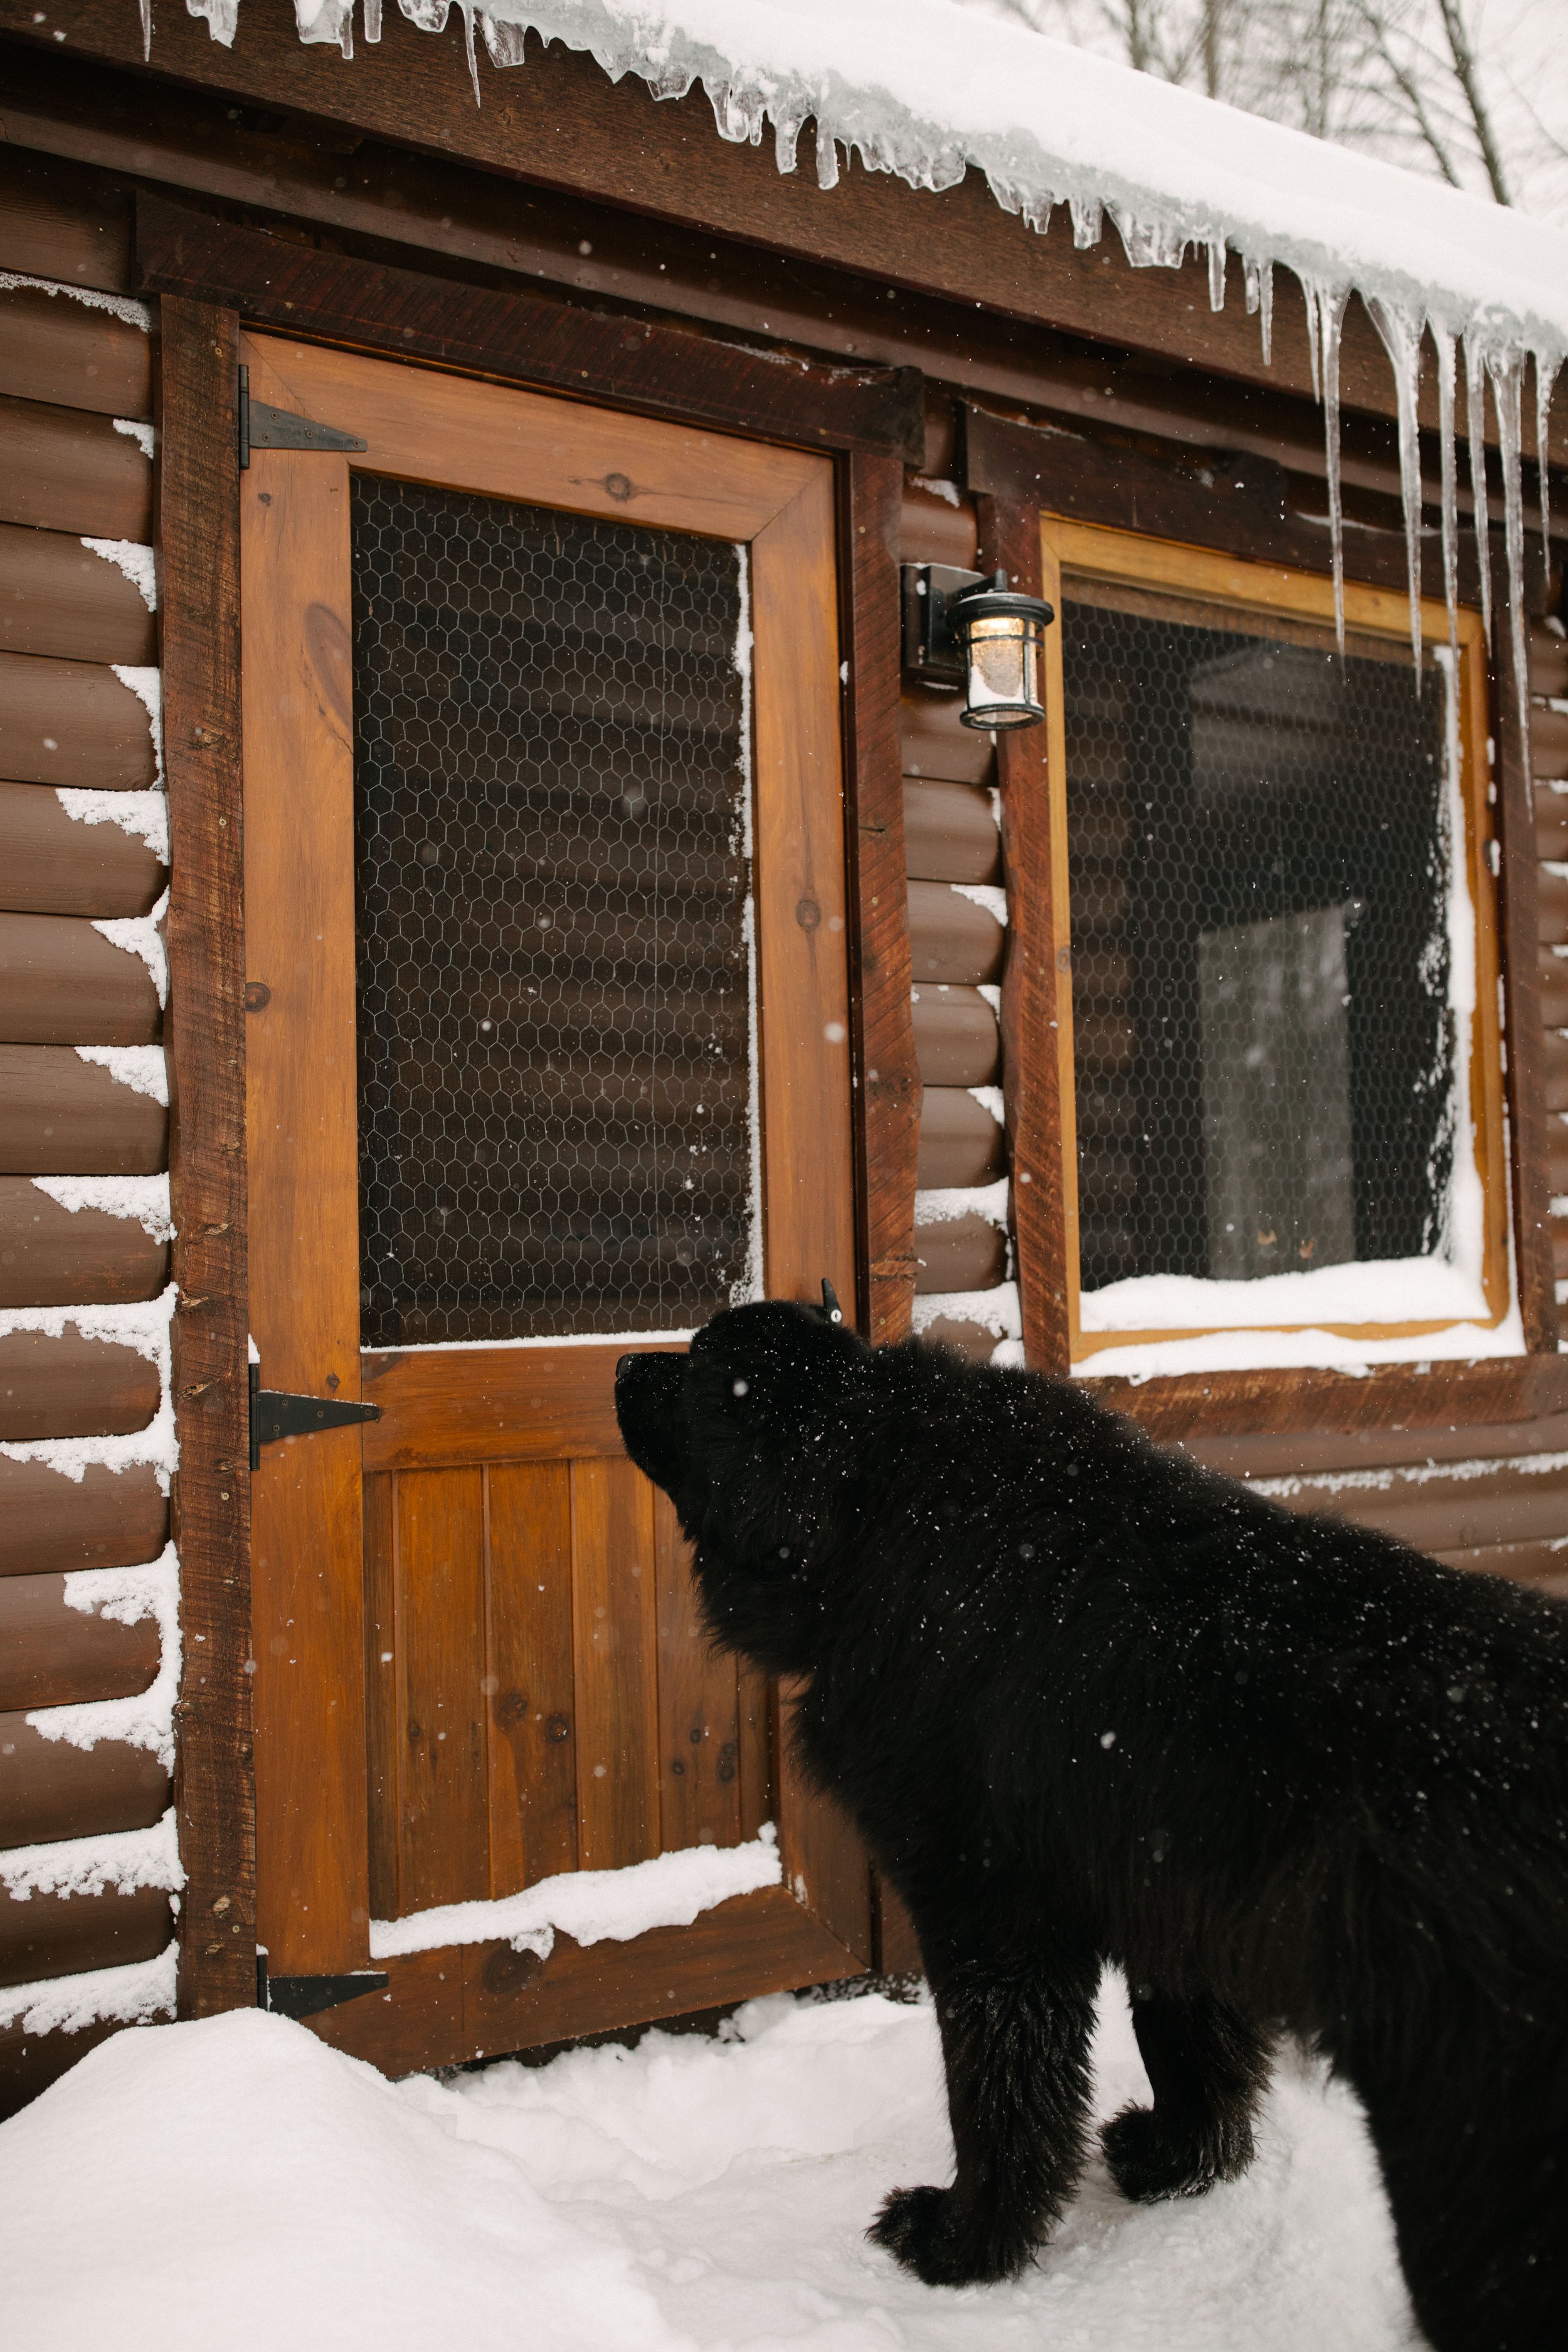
x=546, y=932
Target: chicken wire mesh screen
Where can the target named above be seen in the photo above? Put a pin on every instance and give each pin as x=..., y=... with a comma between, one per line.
x=550, y=776
x=1259, y=869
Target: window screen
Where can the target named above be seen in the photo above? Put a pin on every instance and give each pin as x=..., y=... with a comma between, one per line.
x=554, y=930
x=1259, y=869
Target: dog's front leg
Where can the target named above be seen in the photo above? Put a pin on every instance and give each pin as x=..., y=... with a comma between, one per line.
x=1015, y=2038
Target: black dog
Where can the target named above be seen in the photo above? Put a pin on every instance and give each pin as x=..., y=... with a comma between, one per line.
x=1091, y=1702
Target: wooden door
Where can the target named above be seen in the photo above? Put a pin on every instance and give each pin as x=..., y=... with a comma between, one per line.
x=477, y=1661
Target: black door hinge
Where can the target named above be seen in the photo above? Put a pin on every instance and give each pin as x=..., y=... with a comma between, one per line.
x=262, y=427
x=308, y=1996
x=276, y=1412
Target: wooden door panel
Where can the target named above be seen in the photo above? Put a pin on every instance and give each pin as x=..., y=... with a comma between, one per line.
x=615, y=1640
x=381, y=1693
x=533, y=1776
x=493, y=1404
x=439, y=1581
x=699, y=1707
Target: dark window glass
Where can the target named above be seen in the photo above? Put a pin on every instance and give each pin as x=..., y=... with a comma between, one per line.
x=1259, y=860
x=550, y=773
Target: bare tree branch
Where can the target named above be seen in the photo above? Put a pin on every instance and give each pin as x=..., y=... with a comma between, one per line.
x=1465, y=74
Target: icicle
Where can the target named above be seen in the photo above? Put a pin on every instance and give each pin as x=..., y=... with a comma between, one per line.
x=468, y=8
x=146, y=8
x=1445, y=345
x=1325, y=317
x=826, y=157
x=505, y=44
x=1545, y=377
x=1260, y=303
x=787, y=129
x=1088, y=220
x=1505, y=365
x=1311, y=297
x=1475, y=429
x=1400, y=331
x=372, y=24
x=1217, y=257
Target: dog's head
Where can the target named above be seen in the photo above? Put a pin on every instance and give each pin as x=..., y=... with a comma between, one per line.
x=746, y=1434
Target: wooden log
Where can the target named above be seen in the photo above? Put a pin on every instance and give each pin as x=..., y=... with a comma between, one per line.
x=961, y=1143
x=52, y=864
x=1410, y=1398
x=49, y=1789
x=931, y=530
x=63, y=983
x=951, y=938
x=64, y=469
x=935, y=744
x=1555, y=992
x=72, y=1387
x=59, y=1113
x=62, y=352
x=51, y=1257
x=54, y=1656
x=1544, y=1565
x=61, y=598
x=1551, y=905
x=105, y=1519
x=72, y=723
x=971, y=1340
x=58, y=221
x=1460, y=1509
x=1549, y=743
x=1547, y=655
x=950, y=833
x=962, y=1254
x=1557, y=1157
x=956, y=1037
x=1291, y=1454
x=1550, y=822
x=29, y=2063
x=65, y=1935
x=1556, y=1067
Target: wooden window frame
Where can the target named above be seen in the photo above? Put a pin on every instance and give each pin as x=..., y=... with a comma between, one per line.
x=1134, y=560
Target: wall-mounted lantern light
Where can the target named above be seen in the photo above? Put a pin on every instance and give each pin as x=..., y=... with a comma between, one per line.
x=962, y=628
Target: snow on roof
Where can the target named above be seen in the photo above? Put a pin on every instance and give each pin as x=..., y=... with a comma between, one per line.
x=925, y=90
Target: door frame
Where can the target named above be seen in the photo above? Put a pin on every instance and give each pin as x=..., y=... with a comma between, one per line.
x=313, y=1829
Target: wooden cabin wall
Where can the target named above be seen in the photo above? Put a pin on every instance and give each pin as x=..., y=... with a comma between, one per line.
x=957, y=943
x=82, y=1094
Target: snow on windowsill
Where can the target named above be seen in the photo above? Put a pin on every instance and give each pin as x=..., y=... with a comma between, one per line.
x=1252, y=1351
x=592, y=1907
x=1388, y=1290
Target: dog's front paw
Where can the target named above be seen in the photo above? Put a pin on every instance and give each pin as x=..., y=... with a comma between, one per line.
x=1149, y=2162
x=926, y=2231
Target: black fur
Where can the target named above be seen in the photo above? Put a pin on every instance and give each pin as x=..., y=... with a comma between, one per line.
x=1091, y=1702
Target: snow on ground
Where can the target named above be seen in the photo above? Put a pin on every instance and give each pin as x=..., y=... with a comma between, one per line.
x=235, y=2182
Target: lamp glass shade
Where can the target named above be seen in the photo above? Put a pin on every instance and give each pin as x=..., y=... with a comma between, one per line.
x=1003, y=667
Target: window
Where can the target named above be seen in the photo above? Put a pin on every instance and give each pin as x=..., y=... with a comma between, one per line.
x=1282, y=1069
